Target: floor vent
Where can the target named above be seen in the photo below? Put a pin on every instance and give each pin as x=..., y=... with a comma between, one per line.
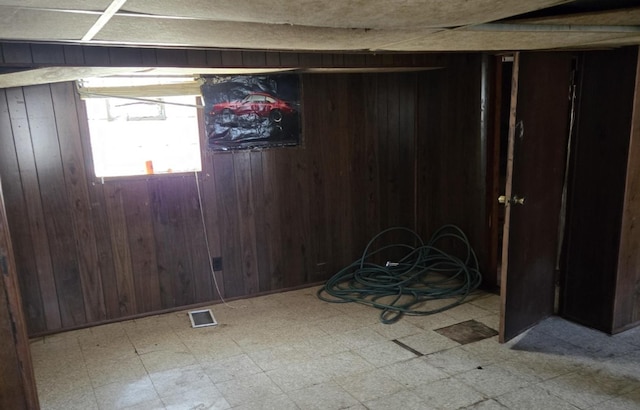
x=202, y=318
x=467, y=332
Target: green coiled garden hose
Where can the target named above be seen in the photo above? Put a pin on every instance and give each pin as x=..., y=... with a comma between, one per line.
x=425, y=273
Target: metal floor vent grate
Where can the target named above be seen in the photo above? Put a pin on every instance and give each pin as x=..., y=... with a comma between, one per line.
x=202, y=318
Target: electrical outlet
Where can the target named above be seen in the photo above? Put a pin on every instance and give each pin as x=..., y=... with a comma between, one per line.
x=217, y=263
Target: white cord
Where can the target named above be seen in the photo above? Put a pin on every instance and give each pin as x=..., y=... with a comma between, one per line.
x=206, y=241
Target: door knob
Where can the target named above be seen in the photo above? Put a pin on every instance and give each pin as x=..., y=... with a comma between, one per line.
x=517, y=200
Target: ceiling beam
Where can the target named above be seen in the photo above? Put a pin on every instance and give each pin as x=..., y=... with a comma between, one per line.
x=103, y=19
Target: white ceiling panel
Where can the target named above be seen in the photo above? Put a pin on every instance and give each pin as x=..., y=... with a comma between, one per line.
x=463, y=40
x=157, y=31
x=382, y=14
x=624, y=17
x=25, y=24
x=322, y=25
x=91, y=5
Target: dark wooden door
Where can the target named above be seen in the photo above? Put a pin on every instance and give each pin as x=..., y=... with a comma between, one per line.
x=539, y=120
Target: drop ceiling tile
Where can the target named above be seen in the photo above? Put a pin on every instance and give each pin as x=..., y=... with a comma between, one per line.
x=623, y=17
x=466, y=40
x=24, y=24
x=95, y=5
x=198, y=33
x=380, y=14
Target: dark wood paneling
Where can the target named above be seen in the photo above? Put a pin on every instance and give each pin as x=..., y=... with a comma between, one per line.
x=597, y=186
x=64, y=106
x=17, y=381
x=44, y=55
x=272, y=59
x=32, y=212
x=450, y=186
x=197, y=58
x=149, y=57
x=277, y=262
x=626, y=310
x=120, y=251
x=253, y=59
x=214, y=58
x=311, y=60
x=293, y=207
x=258, y=190
x=278, y=218
x=96, y=56
x=55, y=204
x=101, y=225
x=17, y=54
x=15, y=199
x=232, y=59
x=289, y=60
x=127, y=56
x=12, y=394
x=167, y=57
x=246, y=214
x=73, y=55
x=174, y=264
x=47, y=54
x=195, y=242
x=208, y=196
x=229, y=224
x=144, y=257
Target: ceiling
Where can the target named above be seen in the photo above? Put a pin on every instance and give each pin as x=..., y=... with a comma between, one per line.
x=327, y=25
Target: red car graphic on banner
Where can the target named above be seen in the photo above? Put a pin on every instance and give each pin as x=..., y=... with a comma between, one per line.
x=262, y=104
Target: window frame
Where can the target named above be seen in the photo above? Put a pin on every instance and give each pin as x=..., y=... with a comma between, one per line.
x=90, y=164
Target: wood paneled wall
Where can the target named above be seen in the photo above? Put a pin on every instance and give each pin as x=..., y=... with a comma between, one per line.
x=598, y=276
x=451, y=155
x=378, y=150
x=279, y=218
x=17, y=381
x=626, y=309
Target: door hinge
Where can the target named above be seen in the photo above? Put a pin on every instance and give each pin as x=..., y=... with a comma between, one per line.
x=520, y=129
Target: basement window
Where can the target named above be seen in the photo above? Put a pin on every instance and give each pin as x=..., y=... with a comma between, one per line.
x=143, y=125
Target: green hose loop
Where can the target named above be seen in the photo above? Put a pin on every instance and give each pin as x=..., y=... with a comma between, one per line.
x=425, y=273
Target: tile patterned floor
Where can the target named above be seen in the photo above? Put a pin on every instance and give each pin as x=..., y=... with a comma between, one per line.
x=293, y=351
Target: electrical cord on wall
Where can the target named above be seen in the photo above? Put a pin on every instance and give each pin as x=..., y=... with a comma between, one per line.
x=425, y=273
x=206, y=241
